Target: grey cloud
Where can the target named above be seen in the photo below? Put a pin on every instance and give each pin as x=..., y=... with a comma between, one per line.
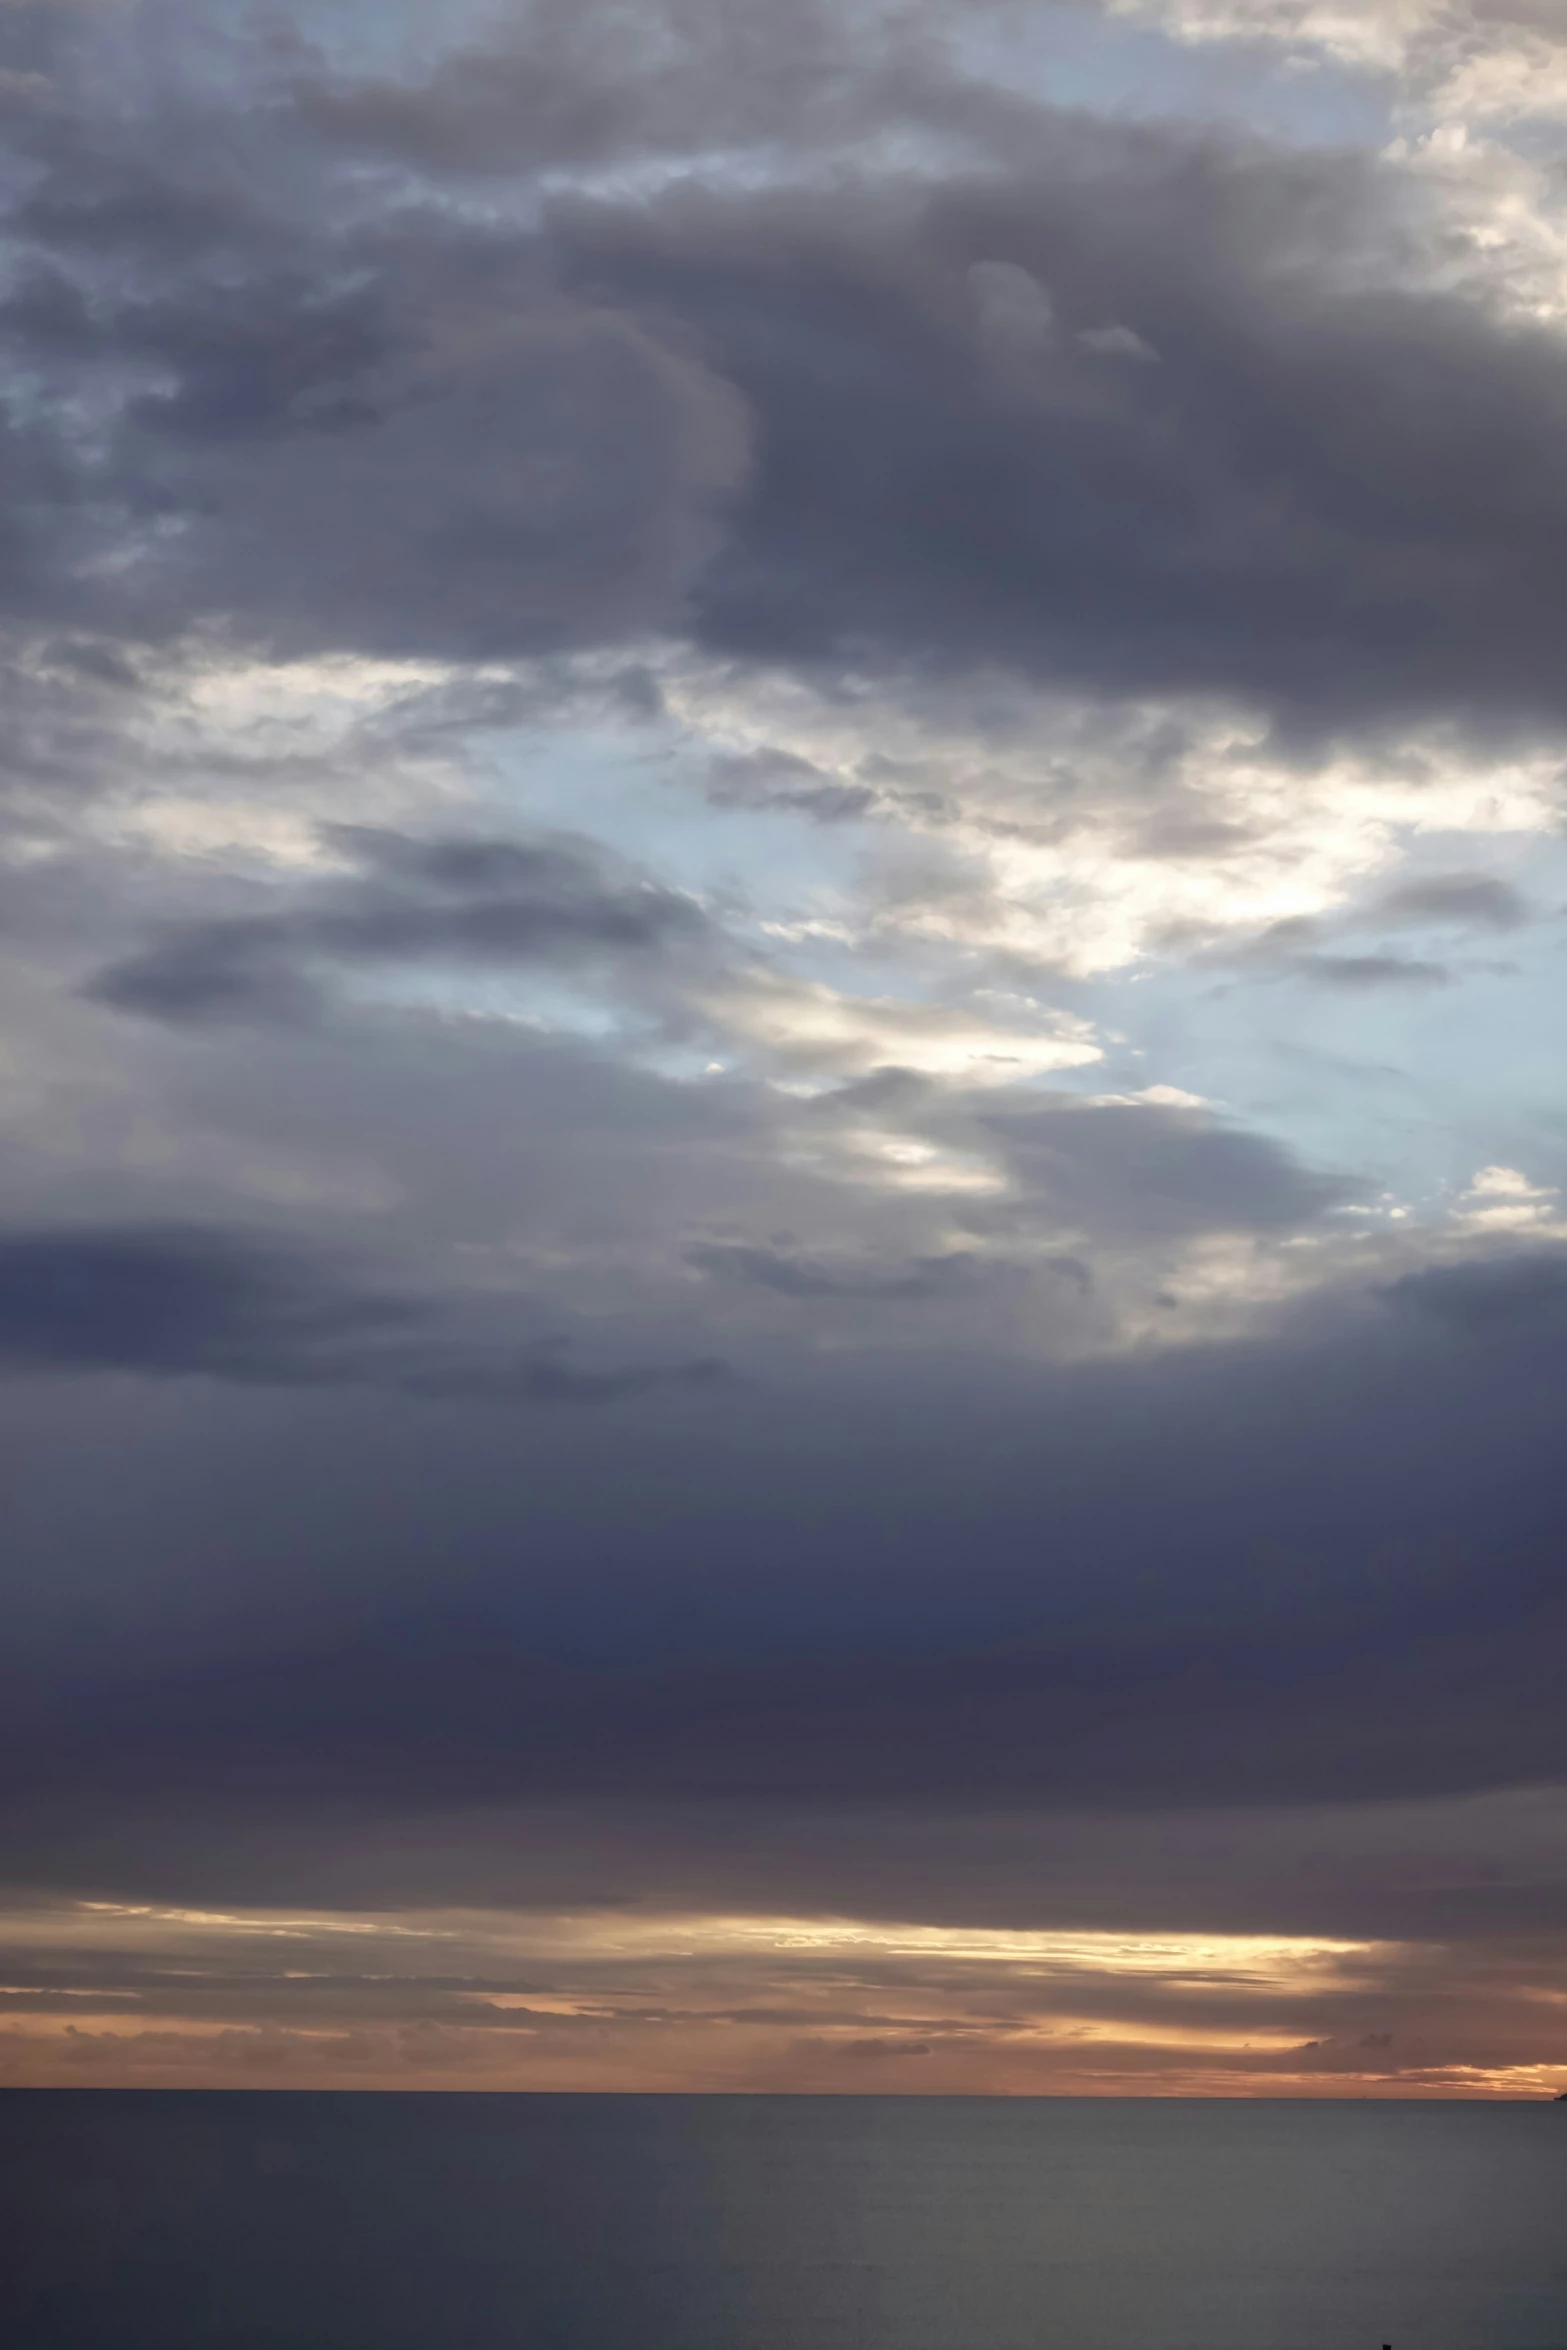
x=1016, y=316
x=1118, y=342
x=417, y=445
x=793, y=1274
x=781, y=780
x=45, y=524
x=484, y=1134
x=1290, y=507
x=254, y=364
x=1474, y=1869
x=175, y=1302
x=546, y=1375
x=1475, y=901
x=1318, y=1567
x=1338, y=493
x=68, y=698
x=1522, y=1291
x=223, y=970
x=474, y=901
x=1136, y=1167
x=567, y=85
x=526, y=482
x=189, y=1303
x=1372, y=971
x=1182, y=827
x=1300, y=948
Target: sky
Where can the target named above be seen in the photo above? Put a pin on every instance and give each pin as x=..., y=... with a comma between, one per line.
x=783, y=1166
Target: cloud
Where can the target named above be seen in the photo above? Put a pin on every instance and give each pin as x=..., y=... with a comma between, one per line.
x=1318, y=1567
x=1372, y=971
x=174, y=1302
x=1117, y=342
x=506, y=904
x=794, y=1275
x=1380, y=35
x=1526, y=1291
x=567, y=88
x=534, y=1996
x=1502, y=60
x=450, y=457
x=1073, y=836
x=441, y=437
x=813, y=1026
x=544, y=1374
x=774, y=779
x=1475, y=901
x=674, y=687
x=1503, y=1201
x=1147, y=1167
x=1241, y=519
x=221, y=1305
x=529, y=482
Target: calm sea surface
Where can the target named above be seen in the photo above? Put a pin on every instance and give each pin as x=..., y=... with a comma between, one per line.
x=281, y=2222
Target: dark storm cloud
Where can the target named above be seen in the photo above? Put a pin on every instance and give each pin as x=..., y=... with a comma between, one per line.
x=252, y=365
x=173, y=1302
x=1476, y=1868
x=901, y=425
x=415, y=445
x=505, y=904
x=43, y=522
x=1340, y=502
x=523, y=473
x=528, y=484
x=544, y=1374
x=1523, y=1296
x=1322, y=1567
x=176, y=1303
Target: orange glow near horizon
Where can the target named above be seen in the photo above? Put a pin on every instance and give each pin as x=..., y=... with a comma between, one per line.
x=153, y=1994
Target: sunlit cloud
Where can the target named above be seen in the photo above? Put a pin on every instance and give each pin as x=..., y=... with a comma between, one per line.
x=1502, y=1200
x=1084, y=837
x=622, y=1998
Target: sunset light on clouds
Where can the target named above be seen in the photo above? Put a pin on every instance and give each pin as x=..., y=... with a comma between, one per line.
x=632, y=1999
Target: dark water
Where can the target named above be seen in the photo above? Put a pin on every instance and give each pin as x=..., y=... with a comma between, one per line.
x=280, y=2222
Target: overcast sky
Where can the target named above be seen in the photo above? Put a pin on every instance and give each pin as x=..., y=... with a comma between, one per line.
x=783, y=1176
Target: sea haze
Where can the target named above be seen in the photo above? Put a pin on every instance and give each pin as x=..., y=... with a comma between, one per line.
x=315, y=2221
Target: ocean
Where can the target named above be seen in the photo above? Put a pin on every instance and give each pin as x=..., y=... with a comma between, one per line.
x=281, y=2221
